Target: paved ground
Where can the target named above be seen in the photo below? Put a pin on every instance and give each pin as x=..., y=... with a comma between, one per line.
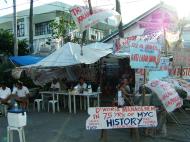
x=65, y=127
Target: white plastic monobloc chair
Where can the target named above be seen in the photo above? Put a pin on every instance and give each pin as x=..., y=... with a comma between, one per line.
x=53, y=102
x=38, y=103
x=20, y=131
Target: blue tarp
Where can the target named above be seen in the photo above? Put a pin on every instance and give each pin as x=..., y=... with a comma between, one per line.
x=25, y=60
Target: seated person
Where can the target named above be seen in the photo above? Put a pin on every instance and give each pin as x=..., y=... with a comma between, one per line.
x=81, y=86
x=55, y=85
x=5, y=93
x=21, y=94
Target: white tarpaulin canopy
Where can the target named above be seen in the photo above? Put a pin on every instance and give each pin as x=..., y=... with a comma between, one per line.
x=70, y=54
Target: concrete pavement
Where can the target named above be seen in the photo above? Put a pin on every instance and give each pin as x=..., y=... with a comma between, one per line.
x=65, y=127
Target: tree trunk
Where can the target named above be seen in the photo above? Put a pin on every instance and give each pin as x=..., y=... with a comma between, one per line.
x=15, y=29
x=31, y=27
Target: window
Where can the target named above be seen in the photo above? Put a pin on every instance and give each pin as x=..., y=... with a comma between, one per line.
x=95, y=34
x=20, y=27
x=43, y=28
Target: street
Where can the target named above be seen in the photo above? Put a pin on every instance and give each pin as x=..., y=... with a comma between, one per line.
x=65, y=127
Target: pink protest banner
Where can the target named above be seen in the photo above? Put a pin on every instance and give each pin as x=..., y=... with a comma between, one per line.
x=85, y=20
x=125, y=117
x=167, y=95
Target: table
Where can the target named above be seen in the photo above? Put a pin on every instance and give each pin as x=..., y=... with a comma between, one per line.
x=46, y=92
x=85, y=94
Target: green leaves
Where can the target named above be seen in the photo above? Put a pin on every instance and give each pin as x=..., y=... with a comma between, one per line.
x=63, y=28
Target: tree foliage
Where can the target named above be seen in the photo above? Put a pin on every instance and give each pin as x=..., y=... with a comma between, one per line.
x=64, y=29
x=7, y=45
x=6, y=42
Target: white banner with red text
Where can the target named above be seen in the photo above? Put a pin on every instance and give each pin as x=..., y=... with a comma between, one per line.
x=166, y=93
x=84, y=20
x=144, y=54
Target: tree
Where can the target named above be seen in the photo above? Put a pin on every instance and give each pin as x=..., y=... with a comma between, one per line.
x=6, y=44
x=64, y=29
x=31, y=26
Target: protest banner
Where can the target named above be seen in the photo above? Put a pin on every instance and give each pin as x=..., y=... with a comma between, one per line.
x=181, y=57
x=183, y=72
x=123, y=44
x=164, y=64
x=139, y=79
x=167, y=95
x=144, y=54
x=85, y=20
x=125, y=117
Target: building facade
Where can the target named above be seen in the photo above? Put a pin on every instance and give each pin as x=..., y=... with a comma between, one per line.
x=42, y=17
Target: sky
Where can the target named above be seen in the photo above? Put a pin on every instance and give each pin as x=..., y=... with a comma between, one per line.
x=129, y=8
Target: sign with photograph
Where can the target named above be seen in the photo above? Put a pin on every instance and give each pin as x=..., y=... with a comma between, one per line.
x=125, y=117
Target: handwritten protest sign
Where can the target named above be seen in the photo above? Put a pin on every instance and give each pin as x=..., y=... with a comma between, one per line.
x=139, y=79
x=144, y=54
x=184, y=72
x=168, y=96
x=125, y=117
x=181, y=57
x=164, y=64
x=123, y=44
x=85, y=20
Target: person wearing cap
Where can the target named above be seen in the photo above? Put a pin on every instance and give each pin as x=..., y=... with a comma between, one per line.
x=5, y=93
x=21, y=94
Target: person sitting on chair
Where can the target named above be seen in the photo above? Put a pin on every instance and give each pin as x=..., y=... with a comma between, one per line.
x=55, y=85
x=5, y=93
x=21, y=95
x=81, y=85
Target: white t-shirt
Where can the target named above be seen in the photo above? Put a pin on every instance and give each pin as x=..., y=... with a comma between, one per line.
x=55, y=86
x=120, y=98
x=5, y=93
x=83, y=86
x=21, y=92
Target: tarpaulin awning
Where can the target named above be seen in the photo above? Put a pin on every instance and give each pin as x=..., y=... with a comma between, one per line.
x=25, y=60
x=70, y=54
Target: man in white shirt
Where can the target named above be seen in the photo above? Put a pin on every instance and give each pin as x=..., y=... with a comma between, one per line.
x=55, y=85
x=21, y=94
x=5, y=93
x=81, y=86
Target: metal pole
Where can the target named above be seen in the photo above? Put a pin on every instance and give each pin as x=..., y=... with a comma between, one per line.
x=15, y=29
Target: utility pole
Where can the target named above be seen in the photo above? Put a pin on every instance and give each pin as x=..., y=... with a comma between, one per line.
x=120, y=27
x=15, y=29
x=84, y=33
x=31, y=27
